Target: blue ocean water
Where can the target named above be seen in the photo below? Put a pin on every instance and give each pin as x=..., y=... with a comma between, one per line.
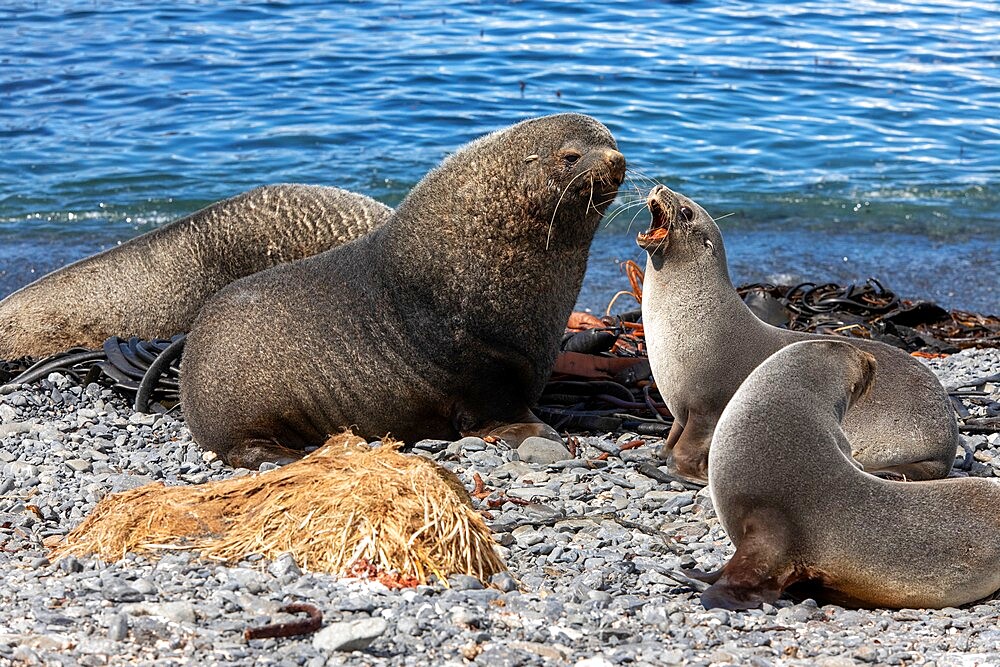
x=841, y=140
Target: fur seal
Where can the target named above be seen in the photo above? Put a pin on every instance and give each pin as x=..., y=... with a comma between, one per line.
x=444, y=321
x=154, y=285
x=801, y=512
x=703, y=341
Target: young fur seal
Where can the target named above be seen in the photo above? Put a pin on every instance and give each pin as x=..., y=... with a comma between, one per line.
x=800, y=511
x=703, y=341
x=444, y=321
x=154, y=285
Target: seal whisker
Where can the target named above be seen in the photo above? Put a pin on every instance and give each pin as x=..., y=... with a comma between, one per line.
x=633, y=171
x=590, y=202
x=548, y=235
x=629, y=228
x=637, y=196
x=723, y=217
x=634, y=185
x=621, y=209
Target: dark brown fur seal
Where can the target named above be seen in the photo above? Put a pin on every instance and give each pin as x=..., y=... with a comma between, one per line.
x=444, y=321
x=154, y=285
x=800, y=511
x=703, y=341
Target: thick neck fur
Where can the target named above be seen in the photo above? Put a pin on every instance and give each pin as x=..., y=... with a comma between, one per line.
x=481, y=236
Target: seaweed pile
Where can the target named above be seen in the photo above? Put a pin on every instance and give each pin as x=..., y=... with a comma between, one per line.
x=870, y=310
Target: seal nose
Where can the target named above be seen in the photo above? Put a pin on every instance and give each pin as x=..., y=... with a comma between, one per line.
x=616, y=164
x=661, y=193
x=657, y=190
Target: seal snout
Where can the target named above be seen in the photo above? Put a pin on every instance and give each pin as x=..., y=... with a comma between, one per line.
x=614, y=163
x=662, y=205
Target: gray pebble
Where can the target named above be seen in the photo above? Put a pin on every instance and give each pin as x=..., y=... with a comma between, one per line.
x=78, y=465
x=284, y=565
x=118, y=591
x=354, y=635
x=504, y=582
x=463, y=582
x=542, y=450
x=118, y=627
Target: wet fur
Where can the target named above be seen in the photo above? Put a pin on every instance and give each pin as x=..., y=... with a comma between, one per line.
x=154, y=285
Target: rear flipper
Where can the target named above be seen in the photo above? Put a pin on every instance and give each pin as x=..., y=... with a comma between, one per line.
x=676, y=429
x=524, y=426
x=516, y=433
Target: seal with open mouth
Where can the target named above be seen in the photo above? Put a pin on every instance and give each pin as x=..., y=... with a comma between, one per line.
x=703, y=341
x=444, y=321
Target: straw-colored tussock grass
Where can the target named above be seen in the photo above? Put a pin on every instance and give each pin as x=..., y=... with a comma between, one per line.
x=345, y=508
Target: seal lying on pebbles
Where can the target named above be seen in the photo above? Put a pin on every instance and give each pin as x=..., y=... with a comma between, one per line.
x=703, y=341
x=154, y=285
x=800, y=511
x=444, y=321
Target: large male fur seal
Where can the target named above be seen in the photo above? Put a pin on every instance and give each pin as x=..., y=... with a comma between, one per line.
x=703, y=341
x=154, y=285
x=444, y=321
x=800, y=511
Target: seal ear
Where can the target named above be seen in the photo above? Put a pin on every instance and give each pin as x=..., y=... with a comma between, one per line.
x=868, y=367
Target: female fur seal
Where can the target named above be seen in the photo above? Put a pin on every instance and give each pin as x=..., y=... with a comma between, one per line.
x=703, y=341
x=444, y=321
x=800, y=511
x=154, y=285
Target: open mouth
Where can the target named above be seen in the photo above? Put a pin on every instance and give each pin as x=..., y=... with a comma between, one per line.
x=658, y=234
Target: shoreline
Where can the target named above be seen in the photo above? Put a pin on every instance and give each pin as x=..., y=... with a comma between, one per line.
x=594, y=551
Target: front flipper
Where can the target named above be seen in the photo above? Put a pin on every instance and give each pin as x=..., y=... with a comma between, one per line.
x=686, y=454
x=675, y=432
x=758, y=572
x=251, y=453
x=515, y=434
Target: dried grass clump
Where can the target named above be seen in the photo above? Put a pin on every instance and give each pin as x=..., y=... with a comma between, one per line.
x=345, y=509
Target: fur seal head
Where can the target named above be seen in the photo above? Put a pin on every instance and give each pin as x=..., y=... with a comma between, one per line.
x=680, y=229
x=546, y=179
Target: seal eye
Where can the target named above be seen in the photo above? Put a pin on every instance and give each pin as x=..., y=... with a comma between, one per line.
x=687, y=214
x=571, y=158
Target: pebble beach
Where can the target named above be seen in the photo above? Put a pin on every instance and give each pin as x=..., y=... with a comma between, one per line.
x=595, y=546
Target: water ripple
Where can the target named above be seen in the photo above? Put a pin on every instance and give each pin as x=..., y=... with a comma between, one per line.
x=791, y=112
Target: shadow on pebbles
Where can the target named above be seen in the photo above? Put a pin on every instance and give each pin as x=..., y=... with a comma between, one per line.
x=593, y=548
